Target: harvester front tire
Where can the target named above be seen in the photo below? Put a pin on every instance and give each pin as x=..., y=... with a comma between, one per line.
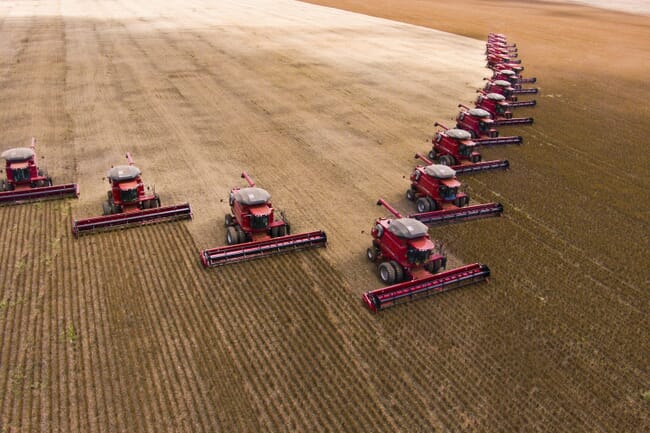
x=423, y=205
x=282, y=231
x=232, y=237
x=274, y=232
x=386, y=273
x=432, y=204
x=434, y=266
x=399, y=271
x=106, y=208
x=447, y=160
x=3, y=185
x=410, y=194
x=241, y=235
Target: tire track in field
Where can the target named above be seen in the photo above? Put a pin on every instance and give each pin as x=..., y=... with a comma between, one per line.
x=19, y=261
x=204, y=333
x=543, y=307
x=173, y=335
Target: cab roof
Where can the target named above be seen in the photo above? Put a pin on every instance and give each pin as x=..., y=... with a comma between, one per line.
x=121, y=173
x=495, y=97
x=479, y=112
x=18, y=154
x=458, y=134
x=408, y=228
x=252, y=196
x=440, y=171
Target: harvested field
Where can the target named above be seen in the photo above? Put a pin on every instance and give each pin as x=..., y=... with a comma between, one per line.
x=125, y=331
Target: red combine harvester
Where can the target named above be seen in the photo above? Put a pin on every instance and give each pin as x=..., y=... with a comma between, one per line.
x=253, y=230
x=435, y=191
x=409, y=261
x=129, y=204
x=455, y=148
x=505, y=88
x=26, y=181
x=511, y=76
x=497, y=37
x=510, y=100
x=498, y=108
x=499, y=59
x=496, y=49
x=479, y=124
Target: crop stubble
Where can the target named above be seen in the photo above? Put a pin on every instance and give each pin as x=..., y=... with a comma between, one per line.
x=124, y=332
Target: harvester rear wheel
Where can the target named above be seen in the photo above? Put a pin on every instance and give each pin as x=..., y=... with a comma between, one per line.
x=232, y=236
x=371, y=253
x=227, y=220
x=3, y=185
x=387, y=273
x=410, y=194
x=432, y=154
x=423, y=205
x=447, y=160
x=399, y=271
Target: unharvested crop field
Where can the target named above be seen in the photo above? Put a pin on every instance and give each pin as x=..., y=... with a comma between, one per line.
x=126, y=332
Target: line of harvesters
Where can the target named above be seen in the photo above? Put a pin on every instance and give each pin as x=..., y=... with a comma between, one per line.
x=407, y=259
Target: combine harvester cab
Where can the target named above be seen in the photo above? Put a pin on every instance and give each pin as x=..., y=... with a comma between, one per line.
x=499, y=60
x=516, y=68
x=505, y=88
x=253, y=230
x=511, y=76
x=27, y=182
x=499, y=109
x=455, y=148
x=479, y=124
x=409, y=262
x=129, y=204
x=435, y=191
x=508, y=99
